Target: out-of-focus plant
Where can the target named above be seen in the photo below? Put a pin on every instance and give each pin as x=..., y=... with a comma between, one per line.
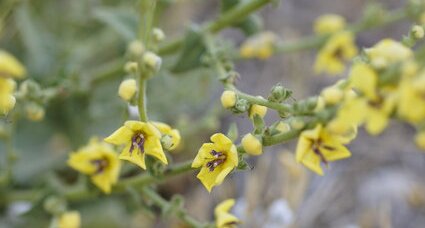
x=78, y=65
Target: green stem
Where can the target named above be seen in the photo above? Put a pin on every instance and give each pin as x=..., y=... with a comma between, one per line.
x=164, y=204
x=142, y=99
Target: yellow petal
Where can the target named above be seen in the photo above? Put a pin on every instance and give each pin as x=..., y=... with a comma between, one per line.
x=135, y=157
x=312, y=161
x=121, y=136
x=204, y=153
x=135, y=126
x=222, y=142
x=153, y=147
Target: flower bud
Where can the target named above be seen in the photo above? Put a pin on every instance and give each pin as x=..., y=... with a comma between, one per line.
x=257, y=110
x=283, y=127
x=136, y=48
x=131, y=67
x=127, y=89
x=320, y=104
x=152, y=60
x=241, y=106
x=10, y=66
x=297, y=124
x=279, y=93
x=332, y=95
x=417, y=32
x=54, y=205
x=420, y=140
x=329, y=23
x=158, y=35
x=252, y=145
x=70, y=219
x=34, y=112
x=228, y=99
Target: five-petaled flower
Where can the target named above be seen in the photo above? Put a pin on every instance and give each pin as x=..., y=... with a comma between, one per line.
x=216, y=160
x=99, y=161
x=318, y=145
x=338, y=49
x=139, y=138
x=222, y=216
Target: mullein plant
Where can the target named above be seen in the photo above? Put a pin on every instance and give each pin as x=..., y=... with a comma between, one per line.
x=383, y=82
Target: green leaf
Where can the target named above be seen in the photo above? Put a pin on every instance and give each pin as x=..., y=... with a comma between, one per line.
x=192, y=51
x=121, y=21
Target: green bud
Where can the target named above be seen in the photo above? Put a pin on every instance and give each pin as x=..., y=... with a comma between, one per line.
x=54, y=205
x=241, y=106
x=279, y=93
x=166, y=142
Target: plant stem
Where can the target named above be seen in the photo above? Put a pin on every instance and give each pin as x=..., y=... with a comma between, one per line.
x=141, y=104
x=164, y=204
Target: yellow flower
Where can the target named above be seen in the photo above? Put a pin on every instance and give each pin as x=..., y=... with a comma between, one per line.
x=223, y=218
x=329, y=23
x=338, y=49
x=252, y=145
x=259, y=46
x=411, y=103
x=387, y=52
x=99, y=161
x=127, y=89
x=318, y=145
x=7, y=100
x=374, y=113
x=10, y=66
x=139, y=138
x=170, y=137
x=364, y=79
x=228, y=99
x=257, y=110
x=216, y=160
x=70, y=219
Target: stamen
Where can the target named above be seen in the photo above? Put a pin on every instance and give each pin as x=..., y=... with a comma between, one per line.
x=220, y=158
x=101, y=165
x=138, y=140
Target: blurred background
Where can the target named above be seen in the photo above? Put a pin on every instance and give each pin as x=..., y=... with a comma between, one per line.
x=80, y=46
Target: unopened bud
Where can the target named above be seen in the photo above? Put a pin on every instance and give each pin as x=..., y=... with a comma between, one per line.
x=136, y=48
x=283, y=127
x=279, y=93
x=241, y=106
x=34, y=112
x=131, y=67
x=228, y=99
x=297, y=123
x=152, y=60
x=252, y=145
x=257, y=110
x=418, y=32
x=127, y=89
x=158, y=35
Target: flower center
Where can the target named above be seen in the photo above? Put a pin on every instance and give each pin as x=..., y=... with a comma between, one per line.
x=100, y=164
x=219, y=158
x=317, y=145
x=137, y=141
x=338, y=54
